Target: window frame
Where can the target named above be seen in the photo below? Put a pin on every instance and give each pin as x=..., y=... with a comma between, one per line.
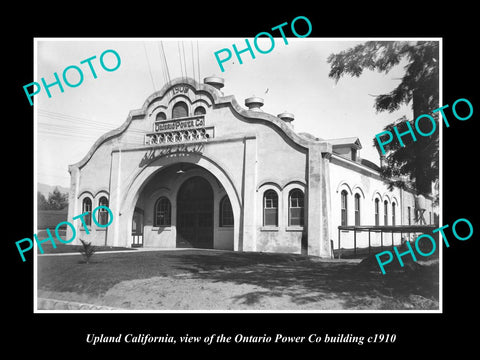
x=356, y=208
x=179, y=104
x=101, y=211
x=197, y=108
x=393, y=214
x=265, y=208
x=222, y=213
x=301, y=217
x=88, y=218
x=161, y=114
x=344, y=208
x=157, y=210
x=385, y=213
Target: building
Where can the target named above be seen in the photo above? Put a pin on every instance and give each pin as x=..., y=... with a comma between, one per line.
x=194, y=168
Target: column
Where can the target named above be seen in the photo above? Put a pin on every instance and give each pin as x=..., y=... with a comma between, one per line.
x=248, y=210
x=318, y=200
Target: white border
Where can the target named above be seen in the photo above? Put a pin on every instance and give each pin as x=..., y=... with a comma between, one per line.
x=339, y=39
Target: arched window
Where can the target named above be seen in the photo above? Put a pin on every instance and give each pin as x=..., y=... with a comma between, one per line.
x=377, y=212
x=162, y=212
x=200, y=110
x=103, y=213
x=385, y=212
x=270, y=208
x=357, y=209
x=161, y=116
x=180, y=109
x=393, y=214
x=295, y=207
x=226, y=213
x=87, y=207
x=343, y=207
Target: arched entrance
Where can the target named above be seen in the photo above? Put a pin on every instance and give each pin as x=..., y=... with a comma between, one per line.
x=195, y=214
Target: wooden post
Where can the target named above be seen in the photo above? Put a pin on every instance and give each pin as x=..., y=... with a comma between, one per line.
x=339, y=251
x=369, y=241
x=354, y=242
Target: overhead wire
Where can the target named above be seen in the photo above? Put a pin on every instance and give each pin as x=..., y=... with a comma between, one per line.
x=198, y=62
x=193, y=60
x=184, y=59
x=180, y=58
x=149, y=68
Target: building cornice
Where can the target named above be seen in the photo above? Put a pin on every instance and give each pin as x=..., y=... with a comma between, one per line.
x=218, y=100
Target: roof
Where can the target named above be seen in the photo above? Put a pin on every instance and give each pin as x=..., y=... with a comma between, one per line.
x=352, y=141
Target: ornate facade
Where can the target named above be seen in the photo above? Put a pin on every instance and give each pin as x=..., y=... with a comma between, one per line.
x=194, y=168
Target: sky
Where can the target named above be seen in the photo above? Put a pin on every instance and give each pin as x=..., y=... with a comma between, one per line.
x=292, y=77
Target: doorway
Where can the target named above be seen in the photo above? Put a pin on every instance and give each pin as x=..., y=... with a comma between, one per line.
x=195, y=214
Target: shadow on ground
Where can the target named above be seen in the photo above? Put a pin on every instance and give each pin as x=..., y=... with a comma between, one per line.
x=305, y=280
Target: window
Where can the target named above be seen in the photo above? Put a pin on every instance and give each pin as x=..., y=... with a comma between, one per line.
x=199, y=111
x=385, y=212
x=393, y=214
x=103, y=213
x=226, y=213
x=270, y=208
x=87, y=207
x=295, y=207
x=409, y=215
x=179, y=110
x=357, y=209
x=162, y=212
x=354, y=154
x=344, y=207
x=377, y=212
x=161, y=116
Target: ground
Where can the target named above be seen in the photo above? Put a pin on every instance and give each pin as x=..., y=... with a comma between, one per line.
x=222, y=280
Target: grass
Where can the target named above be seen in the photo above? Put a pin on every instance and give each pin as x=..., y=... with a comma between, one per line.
x=50, y=218
x=66, y=248
x=303, y=278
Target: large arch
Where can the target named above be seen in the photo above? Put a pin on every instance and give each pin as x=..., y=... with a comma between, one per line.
x=126, y=204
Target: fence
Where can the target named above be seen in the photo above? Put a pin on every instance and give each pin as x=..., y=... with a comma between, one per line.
x=361, y=245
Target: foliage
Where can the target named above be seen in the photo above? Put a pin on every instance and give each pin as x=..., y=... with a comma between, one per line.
x=42, y=202
x=87, y=250
x=418, y=88
x=56, y=200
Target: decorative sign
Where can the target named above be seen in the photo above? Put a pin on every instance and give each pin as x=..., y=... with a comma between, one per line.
x=191, y=123
x=179, y=131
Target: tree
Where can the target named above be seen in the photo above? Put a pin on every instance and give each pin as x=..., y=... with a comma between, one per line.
x=42, y=202
x=57, y=200
x=418, y=88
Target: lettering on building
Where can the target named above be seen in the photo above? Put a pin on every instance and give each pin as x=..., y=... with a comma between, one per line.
x=179, y=131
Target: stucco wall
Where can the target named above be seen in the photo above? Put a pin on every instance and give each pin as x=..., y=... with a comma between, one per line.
x=248, y=153
x=354, y=179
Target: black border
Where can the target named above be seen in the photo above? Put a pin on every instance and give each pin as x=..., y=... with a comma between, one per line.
x=65, y=334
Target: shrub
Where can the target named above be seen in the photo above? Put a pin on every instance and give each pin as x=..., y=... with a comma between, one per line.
x=87, y=250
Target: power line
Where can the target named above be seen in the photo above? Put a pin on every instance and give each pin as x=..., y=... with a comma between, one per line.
x=198, y=62
x=193, y=59
x=165, y=63
x=162, y=66
x=180, y=58
x=149, y=69
x=184, y=59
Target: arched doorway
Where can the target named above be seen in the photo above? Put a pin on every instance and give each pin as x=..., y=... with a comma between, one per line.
x=195, y=214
